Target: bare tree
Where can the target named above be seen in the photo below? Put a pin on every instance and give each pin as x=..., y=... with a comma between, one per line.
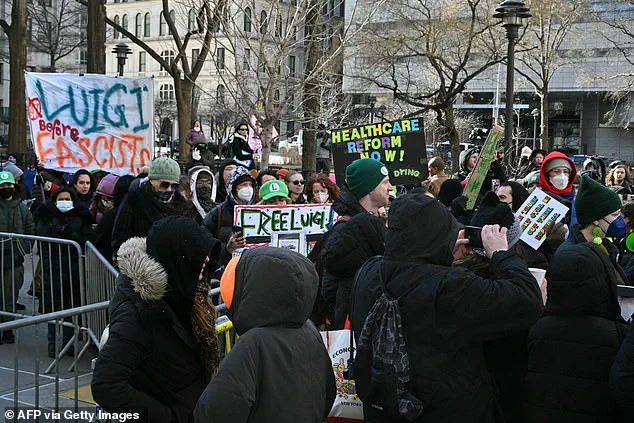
x=183, y=74
x=58, y=30
x=258, y=50
x=426, y=52
x=96, y=49
x=551, y=25
x=16, y=32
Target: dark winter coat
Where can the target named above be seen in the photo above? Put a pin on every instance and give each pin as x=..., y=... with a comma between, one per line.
x=496, y=171
x=279, y=370
x=103, y=234
x=572, y=348
x=241, y=151
x=151, y=363
x=219, y=222
x=15, y=218
x=84, y=200
x=447, y=313
x=347, y=246
x=139, y=210
x=60, y=266
x=622, y=376
x=221, y=192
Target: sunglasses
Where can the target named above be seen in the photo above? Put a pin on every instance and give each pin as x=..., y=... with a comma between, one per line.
x=167, y=185
x=242, y=129
x=297, y=182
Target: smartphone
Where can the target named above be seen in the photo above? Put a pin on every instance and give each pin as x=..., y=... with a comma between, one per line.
x=237, y=230
x=474, y=235
x=495, y=185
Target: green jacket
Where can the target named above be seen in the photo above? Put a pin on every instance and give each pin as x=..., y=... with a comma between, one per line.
x=15, y=217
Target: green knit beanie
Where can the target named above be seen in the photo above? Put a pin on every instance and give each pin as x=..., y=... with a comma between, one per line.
x=595, y=201
x=363, y=175
x=165, y=169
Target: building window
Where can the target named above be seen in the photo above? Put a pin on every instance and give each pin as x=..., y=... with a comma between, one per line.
x=83, y=57
x=138, y=27
x=191, y=19
x=195, y=54
x=173, y=19
x=246, y=61
x=291, y=66
x=166, y=92
x=115, y=33
x=124, y=22
x=1, y=73
x=247, y=19
x=276, y=99
x=263, y=22
x=168, y=56
x=220, y=94
x=142, y=61
x=290, y=128
x=220, y=58
x=146, y=25
x=162, y=25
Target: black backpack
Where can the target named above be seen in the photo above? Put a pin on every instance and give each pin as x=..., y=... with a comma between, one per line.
x=381, y=366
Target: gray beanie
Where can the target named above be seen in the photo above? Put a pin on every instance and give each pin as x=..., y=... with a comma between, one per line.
x=164, y=168
x=556, y=162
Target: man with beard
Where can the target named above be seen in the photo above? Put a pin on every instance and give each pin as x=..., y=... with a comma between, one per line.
x=152, y=200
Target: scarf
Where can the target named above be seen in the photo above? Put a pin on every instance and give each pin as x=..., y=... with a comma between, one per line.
x=204, y=327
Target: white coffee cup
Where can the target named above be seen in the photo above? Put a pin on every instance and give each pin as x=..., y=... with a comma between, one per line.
x=538, y=274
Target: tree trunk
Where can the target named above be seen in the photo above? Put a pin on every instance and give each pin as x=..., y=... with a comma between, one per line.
x=183, y=88
x=449, y=122
x=266, y=137
x=311, y=98
x=96, y=49
x=17, y=97
x=544, y=138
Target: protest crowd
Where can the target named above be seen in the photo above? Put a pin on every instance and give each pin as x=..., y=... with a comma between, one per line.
x=461, y=304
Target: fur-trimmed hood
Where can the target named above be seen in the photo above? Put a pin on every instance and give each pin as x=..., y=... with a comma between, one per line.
x=147, y=276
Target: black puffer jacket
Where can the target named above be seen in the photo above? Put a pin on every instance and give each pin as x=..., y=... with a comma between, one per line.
x=572, y=348
x=447, y=313
x=151, y=363
x=60, y=267
x=279, y=370
x=347, y=246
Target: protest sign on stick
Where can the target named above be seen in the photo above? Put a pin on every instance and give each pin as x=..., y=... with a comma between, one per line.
x=91, y=121
x=537, y=215
x=296, y=227
x=486, y=157
x=399, y=144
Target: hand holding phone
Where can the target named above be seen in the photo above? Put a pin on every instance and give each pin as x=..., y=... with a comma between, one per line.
x=474, y=235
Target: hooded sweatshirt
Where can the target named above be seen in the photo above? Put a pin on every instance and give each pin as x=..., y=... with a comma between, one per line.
x=221, y=192
x=447, y=312
x=279, y=371
x=567, y=194
x=202, y=197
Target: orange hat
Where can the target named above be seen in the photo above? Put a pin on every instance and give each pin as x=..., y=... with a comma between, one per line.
x=228, y=281
x=282, y=173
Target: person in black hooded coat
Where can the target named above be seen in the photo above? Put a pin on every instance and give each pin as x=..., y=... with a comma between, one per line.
x=155, y=361
x=572, y=348
x=226, y=167
x=447, y=312
x=279, y=371
x=622, y=376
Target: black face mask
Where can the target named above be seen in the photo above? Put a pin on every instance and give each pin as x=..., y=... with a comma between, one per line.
x=164, y=197
x=6, y=193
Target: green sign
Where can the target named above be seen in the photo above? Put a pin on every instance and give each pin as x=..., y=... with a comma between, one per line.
x=487, y=155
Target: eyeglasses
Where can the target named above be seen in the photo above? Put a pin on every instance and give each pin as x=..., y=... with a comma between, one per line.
x=298, y=182
x=167, y=185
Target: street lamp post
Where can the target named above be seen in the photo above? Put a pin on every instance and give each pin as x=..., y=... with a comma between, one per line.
x=372, y=101
x=534, y=114
x=122, y=51
x=511, y=13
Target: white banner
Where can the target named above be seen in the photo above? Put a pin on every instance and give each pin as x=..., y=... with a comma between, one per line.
x=91, y=121
x=296, y=227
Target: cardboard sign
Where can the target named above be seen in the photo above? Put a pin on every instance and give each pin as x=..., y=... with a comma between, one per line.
x=296, y=227
x=400, y=145
x=537, y=215
x=487, y=155
x=91, y=122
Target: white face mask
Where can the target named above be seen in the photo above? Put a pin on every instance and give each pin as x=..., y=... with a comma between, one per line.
x=195, y=154
x=196, y=128
x=559, y=181
x=322, y=197
x=245, y=194
x=64, y=205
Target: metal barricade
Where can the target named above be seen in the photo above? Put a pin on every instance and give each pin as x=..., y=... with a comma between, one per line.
x=61, y=390
x=100, y=285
